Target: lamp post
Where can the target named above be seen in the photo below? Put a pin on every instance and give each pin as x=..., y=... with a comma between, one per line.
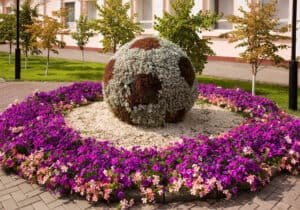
x=18, y=51
x=293, y=75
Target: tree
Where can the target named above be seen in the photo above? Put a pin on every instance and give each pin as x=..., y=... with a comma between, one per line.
x=183, y=28
x=8, y=31
x=27, y=16
x=257, y=31
x=44, y=34
x=115, y=25
x=82, y=34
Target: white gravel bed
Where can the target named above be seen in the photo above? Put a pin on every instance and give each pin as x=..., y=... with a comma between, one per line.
x=97, y=121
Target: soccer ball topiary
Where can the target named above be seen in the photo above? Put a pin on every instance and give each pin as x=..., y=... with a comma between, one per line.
x=150, y=81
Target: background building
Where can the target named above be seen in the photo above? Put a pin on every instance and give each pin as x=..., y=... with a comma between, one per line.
x=147, y=9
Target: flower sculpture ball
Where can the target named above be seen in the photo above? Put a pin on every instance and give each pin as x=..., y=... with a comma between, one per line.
x=150, y=81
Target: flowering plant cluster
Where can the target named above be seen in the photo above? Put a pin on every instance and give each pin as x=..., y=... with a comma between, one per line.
x=38, y=144
x=150, y=81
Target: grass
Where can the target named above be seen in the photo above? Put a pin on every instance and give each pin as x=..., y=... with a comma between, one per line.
x=66, y=70
x=59, y=69
x=276, y=93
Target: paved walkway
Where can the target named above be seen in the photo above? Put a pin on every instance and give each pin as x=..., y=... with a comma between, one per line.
x=16, y=193
x=230, y=70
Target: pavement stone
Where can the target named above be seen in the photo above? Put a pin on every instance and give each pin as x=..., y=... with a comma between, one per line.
x=16, y=193
x=9, y=190
x=47, y=197
x=40, y=206
x=82, y=204
x=71, y=205
x=10, y=204
x=249, y=206
x=55, y=203
x=281, y=206
x=59, y=208
x=29, y=201
x=29, y=207
x=25, y=187
x=5, y=197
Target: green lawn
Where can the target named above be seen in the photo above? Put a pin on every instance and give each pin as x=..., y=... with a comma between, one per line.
x=277, y=93
x=66, y=70
x=59, y=69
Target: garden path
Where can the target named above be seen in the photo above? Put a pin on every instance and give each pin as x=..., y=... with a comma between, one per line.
x=16, y=193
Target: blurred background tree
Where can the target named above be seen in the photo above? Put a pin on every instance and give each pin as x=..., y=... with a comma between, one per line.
x=27, y=16
x=45, y=31
x=115, y=25
x=8, y=31
x=256, y=32
x=184, y=28
x=82, y=34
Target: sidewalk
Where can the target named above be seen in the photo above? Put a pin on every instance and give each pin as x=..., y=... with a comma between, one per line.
x=16, y=193
x=231, y=70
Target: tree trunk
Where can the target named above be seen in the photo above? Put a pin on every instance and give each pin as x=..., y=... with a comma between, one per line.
x=115, y=47
x=47, y=64
x=26, y=59
x=254, y=67
x=253, y=84
x=82, y=54
x=9, y=55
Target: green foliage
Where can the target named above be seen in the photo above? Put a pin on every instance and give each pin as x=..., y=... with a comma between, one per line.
x=184, y=28
x=8, y=30
x=44, y=34
x=257, y=31
x=7, y=27
x=115, y=25
x=27, y=16
x=83, y=33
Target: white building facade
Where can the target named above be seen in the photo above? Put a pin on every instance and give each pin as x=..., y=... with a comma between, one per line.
x=147, y=9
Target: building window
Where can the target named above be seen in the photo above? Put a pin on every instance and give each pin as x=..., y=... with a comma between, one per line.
x=145, y=13
x=9, y=10
x=224, y=8
x=283, y=10
x=70, y=18
x=91, y=10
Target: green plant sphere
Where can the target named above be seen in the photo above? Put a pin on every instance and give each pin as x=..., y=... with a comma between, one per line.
x=150, y=81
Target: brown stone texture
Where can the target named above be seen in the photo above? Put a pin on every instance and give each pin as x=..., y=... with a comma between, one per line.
x=187, y=70
x=175, y=117
x=148, y=43
x=144, y=90
x=108, y=74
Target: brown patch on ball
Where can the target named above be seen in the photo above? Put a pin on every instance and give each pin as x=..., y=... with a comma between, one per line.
x=148, y=43
x=122, y=114
x=144, y=90
x=187, y=71
x=175, y=117
x=108, y=74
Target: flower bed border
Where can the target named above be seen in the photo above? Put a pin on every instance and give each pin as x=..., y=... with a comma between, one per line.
x=36, y=143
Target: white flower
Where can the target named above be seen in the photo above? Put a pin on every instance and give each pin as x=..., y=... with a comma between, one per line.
x=247, y=150
x=64, y=168
x=288, y=139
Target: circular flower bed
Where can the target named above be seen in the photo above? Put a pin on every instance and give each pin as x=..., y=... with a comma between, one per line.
x=37, y=144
